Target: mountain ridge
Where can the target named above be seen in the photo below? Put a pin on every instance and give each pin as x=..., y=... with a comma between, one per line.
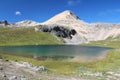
x=85, y=32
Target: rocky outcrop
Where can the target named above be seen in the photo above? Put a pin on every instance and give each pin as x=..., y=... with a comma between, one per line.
x=12, y=70
x=4, y=23
x=59, y=31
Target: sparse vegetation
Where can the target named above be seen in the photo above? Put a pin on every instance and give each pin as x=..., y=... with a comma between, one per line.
x=109, y=42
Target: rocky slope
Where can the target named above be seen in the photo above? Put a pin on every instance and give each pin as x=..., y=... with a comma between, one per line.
x=26, y=23
x=12, y=70
x=69, y=20
x=102, y=31
x=85, y=32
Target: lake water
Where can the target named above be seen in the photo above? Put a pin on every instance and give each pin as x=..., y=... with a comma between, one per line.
x=56, y=51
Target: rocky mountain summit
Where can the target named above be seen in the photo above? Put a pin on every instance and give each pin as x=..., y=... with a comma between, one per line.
x=63, y=23
x=85, y=32
x=64, y=17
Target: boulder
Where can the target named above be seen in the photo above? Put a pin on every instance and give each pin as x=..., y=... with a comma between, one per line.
x=13, y=78
x=40, y=68
x=1, y=68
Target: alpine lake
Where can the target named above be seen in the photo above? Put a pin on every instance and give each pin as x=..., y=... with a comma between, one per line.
x=57, y=52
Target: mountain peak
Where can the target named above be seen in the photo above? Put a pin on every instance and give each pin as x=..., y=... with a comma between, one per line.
x=64, y=17
x=69, y=14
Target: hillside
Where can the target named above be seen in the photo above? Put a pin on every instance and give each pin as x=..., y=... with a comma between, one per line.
x=26, y=36
x=109, y=42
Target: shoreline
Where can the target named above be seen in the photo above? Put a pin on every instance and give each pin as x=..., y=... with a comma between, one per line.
x=94, y=70
x=91, y=59
x=83, y=59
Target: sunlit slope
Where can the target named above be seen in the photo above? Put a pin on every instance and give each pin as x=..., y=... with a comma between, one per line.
x=26, y=36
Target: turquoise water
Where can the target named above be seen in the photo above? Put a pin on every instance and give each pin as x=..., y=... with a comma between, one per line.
x=37, y=51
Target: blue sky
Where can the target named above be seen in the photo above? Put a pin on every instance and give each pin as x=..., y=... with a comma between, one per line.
x=41, y=10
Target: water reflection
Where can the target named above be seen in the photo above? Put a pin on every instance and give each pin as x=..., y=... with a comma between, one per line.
x=56, y=52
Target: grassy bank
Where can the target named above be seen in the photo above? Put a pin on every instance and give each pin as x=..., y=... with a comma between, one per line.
x=25, y=36
x=113, y=43
x=110, y=63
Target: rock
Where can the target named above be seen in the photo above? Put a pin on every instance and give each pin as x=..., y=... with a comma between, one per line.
x=41, y=68
x=4, y=75
x=44, y=28
x=7, y=60
x=0, y=57
x=117, y=75
x=73, y=32
x=4, y=23
x=23, y=78
x=1, y=68
x=13, y=78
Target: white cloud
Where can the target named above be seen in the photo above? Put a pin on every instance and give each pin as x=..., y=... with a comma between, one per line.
x=17, y=13
x=73, y=2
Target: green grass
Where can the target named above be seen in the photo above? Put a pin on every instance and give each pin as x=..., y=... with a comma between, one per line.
x=113, y=43
x=112, y=61
x=26, y=36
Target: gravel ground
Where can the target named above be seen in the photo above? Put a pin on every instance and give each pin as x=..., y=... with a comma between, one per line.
x=11, y=70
